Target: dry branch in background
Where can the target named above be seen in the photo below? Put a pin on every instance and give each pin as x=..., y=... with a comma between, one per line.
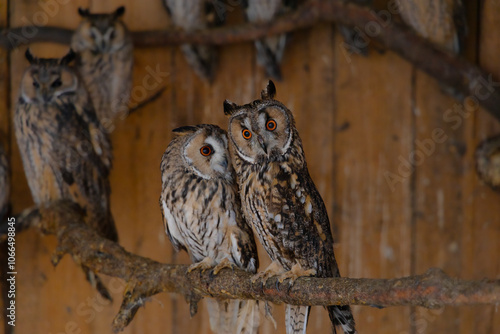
x=465, y=79
x=145, y=277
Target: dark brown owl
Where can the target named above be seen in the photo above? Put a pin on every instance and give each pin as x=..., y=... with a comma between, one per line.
x=66, y=153
x=280, y=200
x=202, y=215
x=105, y=62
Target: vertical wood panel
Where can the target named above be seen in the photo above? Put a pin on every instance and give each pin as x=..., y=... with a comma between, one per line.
x=373, y=217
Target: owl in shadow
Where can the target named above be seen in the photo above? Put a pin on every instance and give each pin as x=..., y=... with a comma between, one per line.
x=105, y=62
x=65, y=151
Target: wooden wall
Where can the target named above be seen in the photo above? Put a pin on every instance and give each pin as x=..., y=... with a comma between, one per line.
x=358, y=117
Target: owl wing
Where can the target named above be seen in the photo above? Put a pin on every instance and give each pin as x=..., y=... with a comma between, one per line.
x=243, y=246
x=81, y=169
x=299, y=222
x=170, y=225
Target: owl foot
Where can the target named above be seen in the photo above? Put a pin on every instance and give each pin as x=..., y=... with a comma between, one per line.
x=204, y=264
x=223, y=264
x=294, y=273
x=96, y=282
x=274, y=269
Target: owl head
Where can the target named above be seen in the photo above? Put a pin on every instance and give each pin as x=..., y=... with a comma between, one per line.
x=100, y=33
x=262, y=130
x=47, y=79
x=204, y=151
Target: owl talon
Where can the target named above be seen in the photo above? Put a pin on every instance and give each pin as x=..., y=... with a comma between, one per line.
x=223, y=264
x=205, y=264
x=274, y=269
x=294, y=273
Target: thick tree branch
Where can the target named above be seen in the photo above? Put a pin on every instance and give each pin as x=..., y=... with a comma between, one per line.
x=146, y=277
x=465, y=79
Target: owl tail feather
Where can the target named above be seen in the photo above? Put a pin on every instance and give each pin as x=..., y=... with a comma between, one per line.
x=223, y=315
x=248, y=317
x=296, y=319
x=201, y=58
x=342, y=316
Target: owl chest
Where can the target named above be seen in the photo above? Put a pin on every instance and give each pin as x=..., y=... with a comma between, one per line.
x=201, y=223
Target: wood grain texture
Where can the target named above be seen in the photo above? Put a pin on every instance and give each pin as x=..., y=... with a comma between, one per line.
x=357, y=118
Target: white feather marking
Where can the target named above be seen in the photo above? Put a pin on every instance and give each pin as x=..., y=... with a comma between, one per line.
x=277, y=218
x=309, y=208
x=173, y=230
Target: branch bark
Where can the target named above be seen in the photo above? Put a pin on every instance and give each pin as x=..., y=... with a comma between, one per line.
x=464, y=78
x=146, y=277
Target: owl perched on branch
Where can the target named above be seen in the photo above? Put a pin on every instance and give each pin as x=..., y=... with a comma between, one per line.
x=66, y=153
x=269, y=49
x=442, y=22
x=195, y=15
x=202, y=215
x=105, y=61
x=281, y=202
x=4, y=182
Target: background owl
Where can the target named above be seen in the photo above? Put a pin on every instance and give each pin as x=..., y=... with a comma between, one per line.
x=4, y=182
x=105, y=61
x=65, y=151
x=201, y=214
x=442, y=22
x=280, y=200
x=270, y=49
x=196, y=15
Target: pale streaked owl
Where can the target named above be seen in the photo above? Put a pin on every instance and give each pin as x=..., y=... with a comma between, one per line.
x=202, y=215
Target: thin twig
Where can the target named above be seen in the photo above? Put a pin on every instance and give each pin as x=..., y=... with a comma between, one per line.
x=146, y=277
x=147, y=101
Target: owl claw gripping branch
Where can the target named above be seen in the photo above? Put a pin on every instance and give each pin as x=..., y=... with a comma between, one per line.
x=280, y=200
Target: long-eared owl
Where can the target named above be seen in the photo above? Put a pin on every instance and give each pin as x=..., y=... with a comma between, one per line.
x=105, y=61
x=202, y=215
x=280, y=200
x=270, y=49
x=65, y=151
x=191, y=16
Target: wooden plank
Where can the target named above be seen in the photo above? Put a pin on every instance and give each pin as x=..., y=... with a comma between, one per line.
x=372, y=201
x=481, y=233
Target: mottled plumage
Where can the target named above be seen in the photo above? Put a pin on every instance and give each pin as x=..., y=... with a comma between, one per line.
x=202, y=215
x=66, y=153
x=442, y=22
x=105, y=61
x=280, y=200
x=270, y=49
x=488, y=161
x=195, y=15
x=4, y=182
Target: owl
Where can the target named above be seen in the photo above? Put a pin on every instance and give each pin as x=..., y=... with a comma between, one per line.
x=442, y=22
x=196, y=15
x=488, y=161
x=65, y=152
x=4, y=182
x=105, y=61
x=269, y=49
x=202, y=215
x=355, y=42
x=280, y=200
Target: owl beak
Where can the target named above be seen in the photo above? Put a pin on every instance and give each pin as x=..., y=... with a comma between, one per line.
x=262, y=144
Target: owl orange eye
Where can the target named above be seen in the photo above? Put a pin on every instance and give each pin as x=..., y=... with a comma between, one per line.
x=206, y=150
x=246, y=134
x=271, y=125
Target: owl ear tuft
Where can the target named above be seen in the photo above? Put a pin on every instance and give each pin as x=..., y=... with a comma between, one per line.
x=68, y=58
x=83, y=12
x=29, y=56
x=229, y=107
x=119, y=12
x=185, y=130
x=269, y=92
